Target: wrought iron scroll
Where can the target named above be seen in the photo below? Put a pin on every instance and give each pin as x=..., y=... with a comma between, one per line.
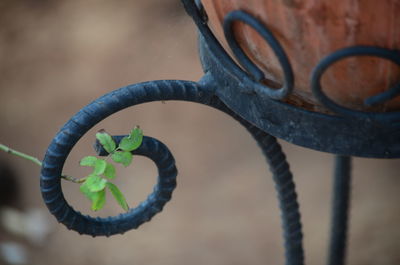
x=205, y=92
x=136, y=94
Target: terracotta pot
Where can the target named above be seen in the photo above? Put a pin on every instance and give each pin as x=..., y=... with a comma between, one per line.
x=309, y=30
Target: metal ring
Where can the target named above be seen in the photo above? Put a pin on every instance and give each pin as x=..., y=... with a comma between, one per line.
x=246, y=62
x=326, y=62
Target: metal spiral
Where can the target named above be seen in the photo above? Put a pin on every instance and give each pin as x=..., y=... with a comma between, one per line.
x=136, y=94
x=83, y=121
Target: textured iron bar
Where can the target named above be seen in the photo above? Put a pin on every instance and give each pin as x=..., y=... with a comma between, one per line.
x=88, y=117
x=110, y=103
x=287, y=196
x=284, y=185
x=340, y=210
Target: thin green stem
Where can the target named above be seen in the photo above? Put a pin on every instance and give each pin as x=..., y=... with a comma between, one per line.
x=73, y=179
x=37, y=162
x=20, y=154
x=109, y=155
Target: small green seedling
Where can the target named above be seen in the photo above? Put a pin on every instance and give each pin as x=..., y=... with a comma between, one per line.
x=95, y=184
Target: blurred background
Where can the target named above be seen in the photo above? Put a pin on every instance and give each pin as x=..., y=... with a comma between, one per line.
x=57, y=56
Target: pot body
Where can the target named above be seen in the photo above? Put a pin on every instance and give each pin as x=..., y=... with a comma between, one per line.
x=309, y=30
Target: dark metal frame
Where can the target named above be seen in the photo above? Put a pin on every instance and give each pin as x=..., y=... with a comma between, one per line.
x=240, y=94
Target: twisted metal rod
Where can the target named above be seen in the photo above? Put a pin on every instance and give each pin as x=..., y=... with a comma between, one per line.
x=287, y=196
x=284, y=186
x=340, y=210
x=136, y=94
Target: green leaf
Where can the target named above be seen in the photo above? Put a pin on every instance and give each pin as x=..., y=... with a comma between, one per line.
x=124, y=158
x=84, y=188
x=99, y=167
x=126, y=144
x=110, y=171
x=133, y=141
x=106, y=141
x=99, y=199
x=119, y=197
x=95, y=183
x=88, y=161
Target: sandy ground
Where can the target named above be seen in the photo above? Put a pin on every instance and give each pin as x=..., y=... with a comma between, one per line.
x=57, y=57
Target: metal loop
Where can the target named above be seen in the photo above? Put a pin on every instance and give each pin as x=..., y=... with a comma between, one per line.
x=246, y=62
x=326, y=62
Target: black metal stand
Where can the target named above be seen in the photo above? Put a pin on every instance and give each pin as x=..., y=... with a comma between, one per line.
x=240, y=94
x=340, y=208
